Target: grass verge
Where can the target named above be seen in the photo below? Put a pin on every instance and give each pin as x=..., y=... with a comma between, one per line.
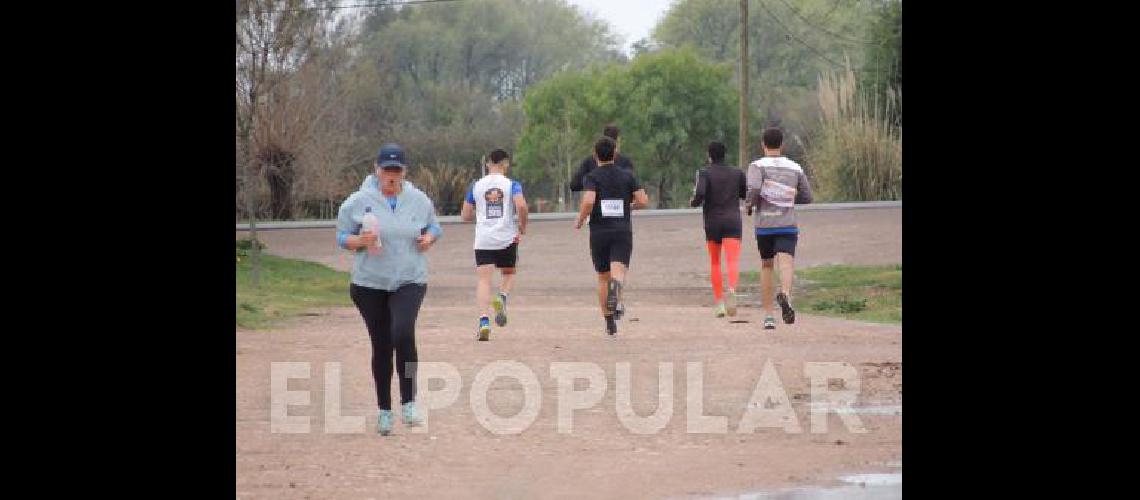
x=289, y=288
x=866, y=293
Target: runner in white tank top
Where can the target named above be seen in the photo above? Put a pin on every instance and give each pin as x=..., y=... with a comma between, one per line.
x=493, y=202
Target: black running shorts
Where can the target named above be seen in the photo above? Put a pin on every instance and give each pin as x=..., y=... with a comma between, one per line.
x=610, y=246
x=717, y=231
x=771, y=244
x=505, y=257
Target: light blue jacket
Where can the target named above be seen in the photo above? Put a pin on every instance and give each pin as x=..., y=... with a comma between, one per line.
x=400, y=262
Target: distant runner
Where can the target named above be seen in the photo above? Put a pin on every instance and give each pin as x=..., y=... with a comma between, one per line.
x=718, y=190
x=590, y=162
x=775, y=185
x=610, y=194
x=493, y=202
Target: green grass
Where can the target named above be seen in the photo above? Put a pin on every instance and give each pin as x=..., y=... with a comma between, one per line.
x=866, y=293
x=289, y=288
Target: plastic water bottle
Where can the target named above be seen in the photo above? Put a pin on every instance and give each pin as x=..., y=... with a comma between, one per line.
x=372, y=224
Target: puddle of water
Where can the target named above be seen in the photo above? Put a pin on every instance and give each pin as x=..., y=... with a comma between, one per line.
x=861, y=410
x=892, y=492
x=858, y=410
x=862, y=487
x=889, y=479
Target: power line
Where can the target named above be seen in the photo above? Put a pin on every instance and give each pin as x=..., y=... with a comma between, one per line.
x=831, y=11
x=790, y=34
x=805, y=44
x=360, y=5
x=836, y=35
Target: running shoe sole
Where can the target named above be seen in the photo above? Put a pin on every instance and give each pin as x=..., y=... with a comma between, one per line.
x=619, y=309
x=786, y=308
x=611, y=297
x=730, y=303
x=500, y=310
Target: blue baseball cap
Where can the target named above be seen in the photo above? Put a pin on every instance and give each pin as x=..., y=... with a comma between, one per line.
x=391, y=155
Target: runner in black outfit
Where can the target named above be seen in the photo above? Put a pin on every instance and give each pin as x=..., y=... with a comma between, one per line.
x=719, y=189
x=610, y=194
x=590, y=163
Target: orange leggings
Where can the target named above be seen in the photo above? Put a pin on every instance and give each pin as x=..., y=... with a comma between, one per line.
x=732, y=251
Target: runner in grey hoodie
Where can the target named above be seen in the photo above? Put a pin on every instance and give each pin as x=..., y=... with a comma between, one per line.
x=775, y=185
x=388, y=287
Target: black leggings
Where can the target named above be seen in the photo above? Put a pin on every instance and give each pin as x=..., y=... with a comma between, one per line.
x=391, y=321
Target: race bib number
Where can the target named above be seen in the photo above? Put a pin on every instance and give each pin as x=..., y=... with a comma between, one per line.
x=494, y=201
x=781, y=195
x=613, y=208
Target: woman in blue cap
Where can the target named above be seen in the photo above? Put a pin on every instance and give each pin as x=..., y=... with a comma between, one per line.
x=389, y=283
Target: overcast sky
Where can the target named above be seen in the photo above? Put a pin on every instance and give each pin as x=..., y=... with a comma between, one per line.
x=632, y=19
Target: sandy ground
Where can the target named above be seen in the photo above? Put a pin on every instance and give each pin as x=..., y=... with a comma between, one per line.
x=554, y=317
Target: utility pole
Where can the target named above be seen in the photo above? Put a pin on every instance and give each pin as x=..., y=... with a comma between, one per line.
x=743, y=150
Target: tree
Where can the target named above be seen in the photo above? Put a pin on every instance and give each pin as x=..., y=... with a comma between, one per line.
x=276, y=108
x=498, y=47
x=643, y=46
x=668, y=104
x=274, y=40
x=448, y=79
x=564, y=115
x=884, y=57
x=790, y=44
x=315, y=98
x=674, y=103
x=710, y=26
